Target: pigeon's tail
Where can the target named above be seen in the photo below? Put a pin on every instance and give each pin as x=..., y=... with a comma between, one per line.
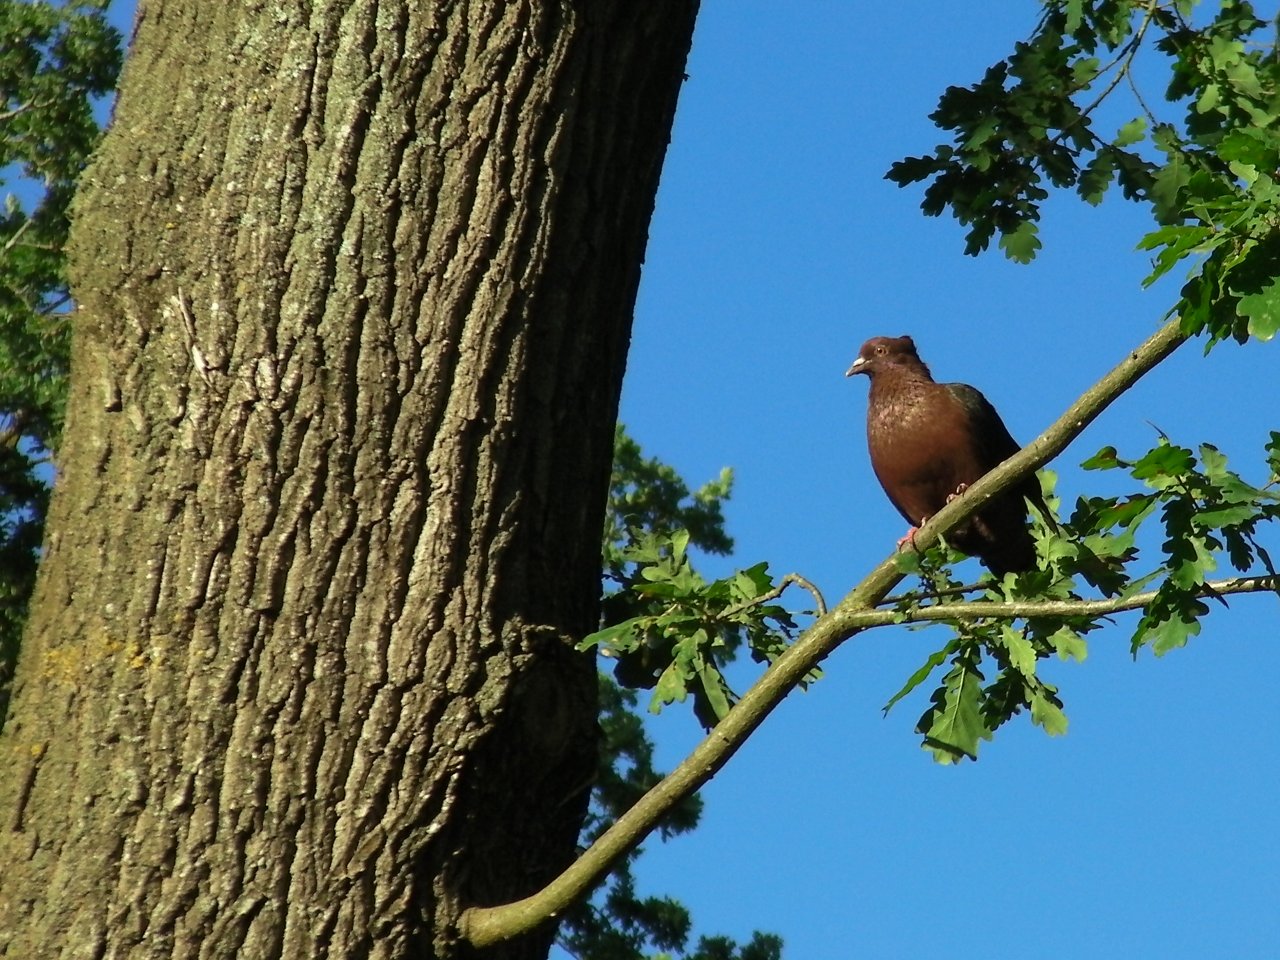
x=1000, y=537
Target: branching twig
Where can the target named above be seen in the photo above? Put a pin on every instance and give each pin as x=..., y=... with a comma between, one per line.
x=1127, y=53
x=774, y=594
x=485, y=926
x=16, y=111
x=818, y=602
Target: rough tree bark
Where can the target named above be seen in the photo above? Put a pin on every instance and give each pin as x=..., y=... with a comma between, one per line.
x=355, y=284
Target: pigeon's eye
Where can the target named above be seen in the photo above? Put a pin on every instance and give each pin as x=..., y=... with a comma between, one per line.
x=881, y=350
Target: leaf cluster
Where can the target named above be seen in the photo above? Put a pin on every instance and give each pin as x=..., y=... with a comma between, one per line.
x=1027, y=125
x=1208, y=176
x=649, y=496
x=687, y=628
x=965, y=709
x=1205, y=511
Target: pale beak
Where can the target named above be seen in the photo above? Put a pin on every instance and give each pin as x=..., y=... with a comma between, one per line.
x=857, y=367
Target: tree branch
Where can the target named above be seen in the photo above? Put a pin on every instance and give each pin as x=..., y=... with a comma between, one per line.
x=17, y=234
x=1014, y=609
x=485, y=926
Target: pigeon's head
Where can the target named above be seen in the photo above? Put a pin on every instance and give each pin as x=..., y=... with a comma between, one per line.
x=880, y=353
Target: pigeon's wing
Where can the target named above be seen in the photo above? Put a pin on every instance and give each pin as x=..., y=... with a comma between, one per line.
x=994, y=442
x=991, y=438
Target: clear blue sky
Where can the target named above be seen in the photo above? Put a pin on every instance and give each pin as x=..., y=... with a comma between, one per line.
x=1150, y=829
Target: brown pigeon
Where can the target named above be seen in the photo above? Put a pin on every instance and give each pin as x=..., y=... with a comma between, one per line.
x=929, y=441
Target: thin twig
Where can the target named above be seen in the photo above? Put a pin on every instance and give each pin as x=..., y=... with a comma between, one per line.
x=820, y=603
x=1021, y=609
x=933, y=594
x=774, y=594
x=1137, y=95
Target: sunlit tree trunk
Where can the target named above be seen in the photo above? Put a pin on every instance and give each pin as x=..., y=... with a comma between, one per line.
x=355, y=285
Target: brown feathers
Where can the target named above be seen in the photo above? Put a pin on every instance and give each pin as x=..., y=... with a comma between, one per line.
x=929, y=441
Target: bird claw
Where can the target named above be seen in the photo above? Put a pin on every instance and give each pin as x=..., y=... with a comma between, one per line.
x=909, y=537
x=959, y=490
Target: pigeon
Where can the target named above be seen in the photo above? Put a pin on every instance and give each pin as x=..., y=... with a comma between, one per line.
x=929, y=441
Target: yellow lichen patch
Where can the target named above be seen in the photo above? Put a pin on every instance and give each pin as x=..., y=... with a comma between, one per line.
x=70, y=663
x=63, y=664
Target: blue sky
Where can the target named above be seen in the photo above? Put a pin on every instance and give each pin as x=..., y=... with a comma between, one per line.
x=1150, y=829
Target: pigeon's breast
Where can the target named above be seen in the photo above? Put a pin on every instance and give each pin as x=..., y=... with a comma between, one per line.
x=920, y=450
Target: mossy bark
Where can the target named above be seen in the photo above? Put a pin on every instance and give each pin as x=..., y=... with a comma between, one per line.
x=355, y=285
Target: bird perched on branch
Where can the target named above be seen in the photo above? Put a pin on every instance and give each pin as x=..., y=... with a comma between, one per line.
x=929, y=441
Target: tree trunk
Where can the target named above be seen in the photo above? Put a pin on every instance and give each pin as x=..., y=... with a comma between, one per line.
x=355, y=285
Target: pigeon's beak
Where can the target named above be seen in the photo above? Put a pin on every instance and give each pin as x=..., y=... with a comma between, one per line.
x=859, y=366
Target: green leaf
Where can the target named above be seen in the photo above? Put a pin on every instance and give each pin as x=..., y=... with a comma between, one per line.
x=1131, y=132
x=1262, y=311
x=1096, y=177
x=620, y=636
x=1273, y=453
x=670, y=688
x=1074, y=10
x=1046, y=712
x=1104, y=459
x=1191, y=560
x=1170, y=621
x=984, y=130
x=1022, y=655
x=1247, y=172
x=1167, y=187
x=752, y=582
x=913, y=170
x=1128, y=512
x=679, y=544
x=1252, y=147
x=936, y=659
x=954, y=724
x=1178, y=242
x=1164, y=460
x=714, y=686
x=1209, y=98
x=1226, y=516
x=908, y=561
x=1069, y=644
x=1021, y=243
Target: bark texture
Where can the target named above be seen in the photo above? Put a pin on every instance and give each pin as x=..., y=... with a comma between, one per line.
x=355, y=284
